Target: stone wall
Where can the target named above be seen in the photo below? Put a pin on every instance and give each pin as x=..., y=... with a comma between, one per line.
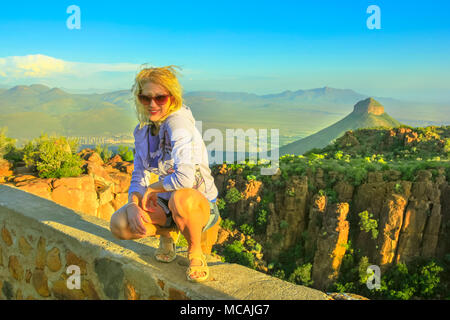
x=40, y=239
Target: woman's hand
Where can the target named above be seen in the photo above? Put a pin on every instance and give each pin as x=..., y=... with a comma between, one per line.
x=135, y=217
x=149, y=200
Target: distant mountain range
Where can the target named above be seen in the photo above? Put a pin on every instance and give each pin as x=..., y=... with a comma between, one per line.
x=366, y=113
x=29, y=110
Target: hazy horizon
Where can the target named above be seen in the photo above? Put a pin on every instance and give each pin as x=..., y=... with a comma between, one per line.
x=253, y=47
x=103, y=91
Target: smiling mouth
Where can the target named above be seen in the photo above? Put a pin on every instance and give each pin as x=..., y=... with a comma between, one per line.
x=154, y=111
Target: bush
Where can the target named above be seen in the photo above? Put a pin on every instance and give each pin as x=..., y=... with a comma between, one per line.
x=247, y=229
x=302, y=275
x=261, y=220
x=125, y=153
x=367, y=224
x=233, y=195
x=103, y=151
x=220, y=203
x=52, y=157
x=6, y=144
x=227, y=224
x=235, y=253
x=419, y=279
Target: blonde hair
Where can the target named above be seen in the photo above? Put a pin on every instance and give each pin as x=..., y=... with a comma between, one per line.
x=164, y=76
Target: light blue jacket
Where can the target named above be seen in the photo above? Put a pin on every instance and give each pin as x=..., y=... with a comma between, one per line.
x=177, y=154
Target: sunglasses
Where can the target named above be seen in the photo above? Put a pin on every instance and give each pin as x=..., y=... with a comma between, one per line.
x=159, y=100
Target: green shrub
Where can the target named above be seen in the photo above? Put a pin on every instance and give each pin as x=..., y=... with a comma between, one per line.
x=417, y=280
x=233, y=195
x=125, y=153
x=221, y=203
x=331, y=195
x=398, y=283
x=53, y=157
x=367, y=224
x=103, y=151
x=398, y=188
x=362, y=270
x=227, y=224
x=428, y=278
x=261, y=220
x=279, y=274
x=235, y=253
x=5, y=142
x=302, y=275
x=8, y=148
x=247, y=229
x=250, y=243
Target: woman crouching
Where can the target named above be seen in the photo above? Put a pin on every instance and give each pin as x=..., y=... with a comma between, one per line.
x=168, y=144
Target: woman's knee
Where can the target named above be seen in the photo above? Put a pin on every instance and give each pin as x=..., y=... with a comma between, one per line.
x=185, y=201
x=118, y=223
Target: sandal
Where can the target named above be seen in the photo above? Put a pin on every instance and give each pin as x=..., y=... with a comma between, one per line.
x=167, y=251
x=197, y=269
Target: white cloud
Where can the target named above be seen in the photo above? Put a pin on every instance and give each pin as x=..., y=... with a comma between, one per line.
x=42, y=66
x=36, y=66
x=39, y=68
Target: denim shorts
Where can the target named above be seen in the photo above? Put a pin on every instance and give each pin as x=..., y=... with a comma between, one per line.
x=214, y=214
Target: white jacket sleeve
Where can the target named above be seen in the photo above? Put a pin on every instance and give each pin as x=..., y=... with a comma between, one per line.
x=139, y=181
x=138, y=178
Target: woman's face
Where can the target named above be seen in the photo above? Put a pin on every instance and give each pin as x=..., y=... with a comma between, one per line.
x=156, y=111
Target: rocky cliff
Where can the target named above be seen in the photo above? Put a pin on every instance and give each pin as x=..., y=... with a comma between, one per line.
x=99, y=192
x=320, y=207
x=412, y=218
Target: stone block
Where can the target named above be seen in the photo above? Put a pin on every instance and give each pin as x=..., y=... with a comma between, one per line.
x=110, y=275
x=40, y=283
x=41, y=254
x=61, y=292
x=7, y=290
x=24, y=247
x=73, y=259
x=54, y=260
x=6, y=236
x=15, y=268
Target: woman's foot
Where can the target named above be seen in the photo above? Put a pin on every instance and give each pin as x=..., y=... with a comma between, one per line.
x=198, y=269
x=167, y=250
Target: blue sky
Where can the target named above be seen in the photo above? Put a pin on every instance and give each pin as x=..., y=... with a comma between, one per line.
x=253, y=46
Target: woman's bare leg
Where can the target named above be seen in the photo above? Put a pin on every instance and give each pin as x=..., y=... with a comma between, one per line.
x=120, y=228
x=190, y=211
